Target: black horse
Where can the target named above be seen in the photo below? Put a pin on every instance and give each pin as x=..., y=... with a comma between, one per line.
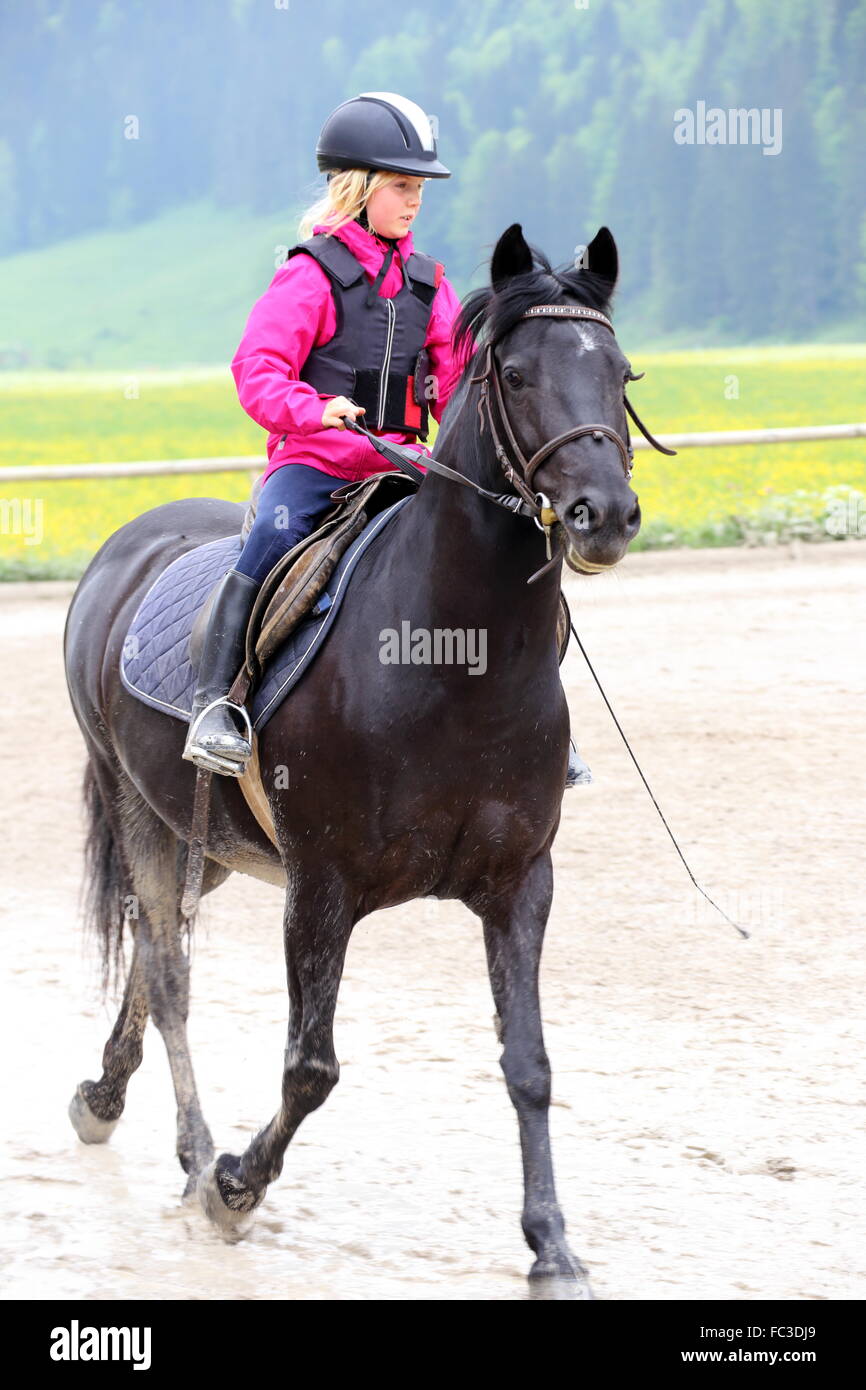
x=405, y=780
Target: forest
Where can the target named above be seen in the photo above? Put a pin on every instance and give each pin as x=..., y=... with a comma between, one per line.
x=560, y=115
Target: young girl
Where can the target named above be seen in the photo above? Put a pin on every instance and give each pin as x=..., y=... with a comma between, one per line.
x=354, y=323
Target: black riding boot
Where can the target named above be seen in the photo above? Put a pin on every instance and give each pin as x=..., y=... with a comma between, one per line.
x=214, y=740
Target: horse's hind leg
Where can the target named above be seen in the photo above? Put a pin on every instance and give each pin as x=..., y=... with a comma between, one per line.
x=158, y=870
x=514, y=926
x=97, y=1106
x=138, y=863
x=318, y=924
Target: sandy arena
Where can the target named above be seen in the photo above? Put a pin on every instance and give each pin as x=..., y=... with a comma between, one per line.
x=708, y=1104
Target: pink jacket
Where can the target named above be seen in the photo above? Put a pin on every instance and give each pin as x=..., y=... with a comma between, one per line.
x=296, y=314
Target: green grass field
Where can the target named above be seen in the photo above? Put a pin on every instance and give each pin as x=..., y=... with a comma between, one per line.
x=701, y=497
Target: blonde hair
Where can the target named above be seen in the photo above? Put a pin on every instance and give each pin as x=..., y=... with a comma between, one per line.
x=344, y=199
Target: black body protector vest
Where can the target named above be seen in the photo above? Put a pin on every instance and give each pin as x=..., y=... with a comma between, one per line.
x=376, y=357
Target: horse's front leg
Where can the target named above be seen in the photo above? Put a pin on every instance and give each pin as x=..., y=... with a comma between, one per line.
x=514, y=924
x=318, y=924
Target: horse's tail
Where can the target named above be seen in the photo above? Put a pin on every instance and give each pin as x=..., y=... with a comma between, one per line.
x=105, y=889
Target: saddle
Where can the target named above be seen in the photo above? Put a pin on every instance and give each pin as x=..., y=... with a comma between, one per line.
x=292, y=589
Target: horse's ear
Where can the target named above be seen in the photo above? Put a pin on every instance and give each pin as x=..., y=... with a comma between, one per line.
x=602, y=257
x=511, y=256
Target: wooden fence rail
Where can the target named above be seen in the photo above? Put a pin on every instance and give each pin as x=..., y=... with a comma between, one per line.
x=255, y=464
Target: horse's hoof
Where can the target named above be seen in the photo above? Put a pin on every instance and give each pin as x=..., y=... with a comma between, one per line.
x=558, y=1288
x=89, y=1128
x=215, y=1187
x=561, y=1277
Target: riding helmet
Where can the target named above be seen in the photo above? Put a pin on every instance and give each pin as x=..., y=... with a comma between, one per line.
x=380, y=130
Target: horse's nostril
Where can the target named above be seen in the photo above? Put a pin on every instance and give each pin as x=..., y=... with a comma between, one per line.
x=633, y=519
x=584, y=513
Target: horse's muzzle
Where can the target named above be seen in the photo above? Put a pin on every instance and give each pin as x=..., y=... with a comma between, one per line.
x=598, y=527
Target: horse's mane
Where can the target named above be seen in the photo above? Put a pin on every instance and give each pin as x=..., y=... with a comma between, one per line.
x=487, y=314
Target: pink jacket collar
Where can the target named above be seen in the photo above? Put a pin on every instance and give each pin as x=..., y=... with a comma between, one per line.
x=366, y=247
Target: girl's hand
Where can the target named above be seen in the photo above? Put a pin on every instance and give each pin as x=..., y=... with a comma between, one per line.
x=335, y=409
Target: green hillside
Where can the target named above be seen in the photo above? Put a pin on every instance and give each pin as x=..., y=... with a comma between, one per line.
x=173, y=291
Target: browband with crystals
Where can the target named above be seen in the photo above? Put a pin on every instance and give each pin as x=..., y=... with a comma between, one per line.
x=568, y=311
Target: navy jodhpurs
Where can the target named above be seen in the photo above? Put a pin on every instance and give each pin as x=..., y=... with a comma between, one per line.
x=292, y=500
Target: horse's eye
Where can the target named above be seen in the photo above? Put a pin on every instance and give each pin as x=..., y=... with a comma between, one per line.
x=513, y=377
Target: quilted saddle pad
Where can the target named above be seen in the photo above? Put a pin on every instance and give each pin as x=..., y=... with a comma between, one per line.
x=155, y=665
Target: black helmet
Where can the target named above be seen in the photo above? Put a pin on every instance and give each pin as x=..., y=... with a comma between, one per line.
x=380, y=130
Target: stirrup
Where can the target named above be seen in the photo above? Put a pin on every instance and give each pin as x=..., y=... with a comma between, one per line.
x=578, y=774
x=215, y=759
x=211, y=762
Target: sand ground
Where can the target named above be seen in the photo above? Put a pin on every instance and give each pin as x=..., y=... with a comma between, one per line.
x=708, y=1112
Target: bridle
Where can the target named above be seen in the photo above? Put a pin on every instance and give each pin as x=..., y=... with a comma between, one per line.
x=488, y=375
x=527, y=502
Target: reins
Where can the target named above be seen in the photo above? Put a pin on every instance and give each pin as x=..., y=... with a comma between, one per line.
x=400, y=456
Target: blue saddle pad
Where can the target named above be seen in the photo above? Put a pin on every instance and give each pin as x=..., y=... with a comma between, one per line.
x=154, y=664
